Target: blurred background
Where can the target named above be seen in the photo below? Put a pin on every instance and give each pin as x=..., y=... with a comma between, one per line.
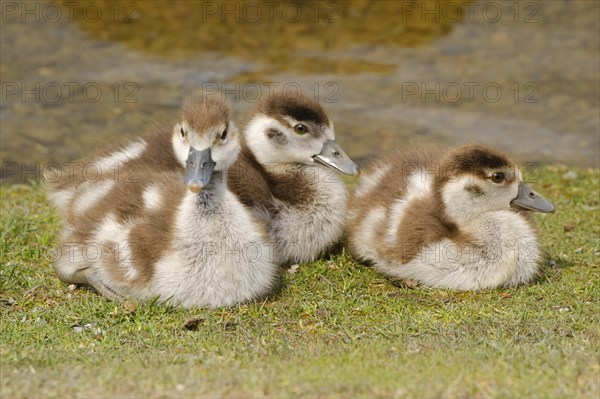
x=523, y=76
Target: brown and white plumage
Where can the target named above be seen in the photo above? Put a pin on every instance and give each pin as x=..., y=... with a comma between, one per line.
x=190, y=243
x=153, y=151
x=287, y=172
x=446, y=219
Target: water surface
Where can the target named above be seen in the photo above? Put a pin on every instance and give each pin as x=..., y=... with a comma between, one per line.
x=521, y=76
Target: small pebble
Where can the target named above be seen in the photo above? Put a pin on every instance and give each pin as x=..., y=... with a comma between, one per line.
x=192, y=323
x=568, y=227
x=570, y=175
x=552, y=263
x=129, y=307
x=78, y=329
x=293, y=269
x=71, y=287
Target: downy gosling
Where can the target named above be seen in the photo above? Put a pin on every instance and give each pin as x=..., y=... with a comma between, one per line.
x=287, y=172
x=179, y=235
x=455, y=220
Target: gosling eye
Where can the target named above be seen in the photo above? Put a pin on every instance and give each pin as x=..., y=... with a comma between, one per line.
x=498, y=177
x=224, y=134
x=300, y=128
x=183, y=133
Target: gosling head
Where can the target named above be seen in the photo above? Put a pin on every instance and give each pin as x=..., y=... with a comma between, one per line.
x=204, y=141
x=291, y=128
x=475, y=179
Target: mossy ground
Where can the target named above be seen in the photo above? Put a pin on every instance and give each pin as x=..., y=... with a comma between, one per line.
x=336, y=329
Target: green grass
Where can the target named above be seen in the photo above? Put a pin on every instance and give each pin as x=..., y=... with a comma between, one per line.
x=336, y=328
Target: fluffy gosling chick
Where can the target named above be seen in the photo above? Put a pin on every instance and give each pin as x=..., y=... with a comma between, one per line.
x=181, y=236
x=451, y=220
x=286, y=172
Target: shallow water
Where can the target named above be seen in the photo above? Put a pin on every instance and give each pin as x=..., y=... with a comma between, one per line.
x=521, y=76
